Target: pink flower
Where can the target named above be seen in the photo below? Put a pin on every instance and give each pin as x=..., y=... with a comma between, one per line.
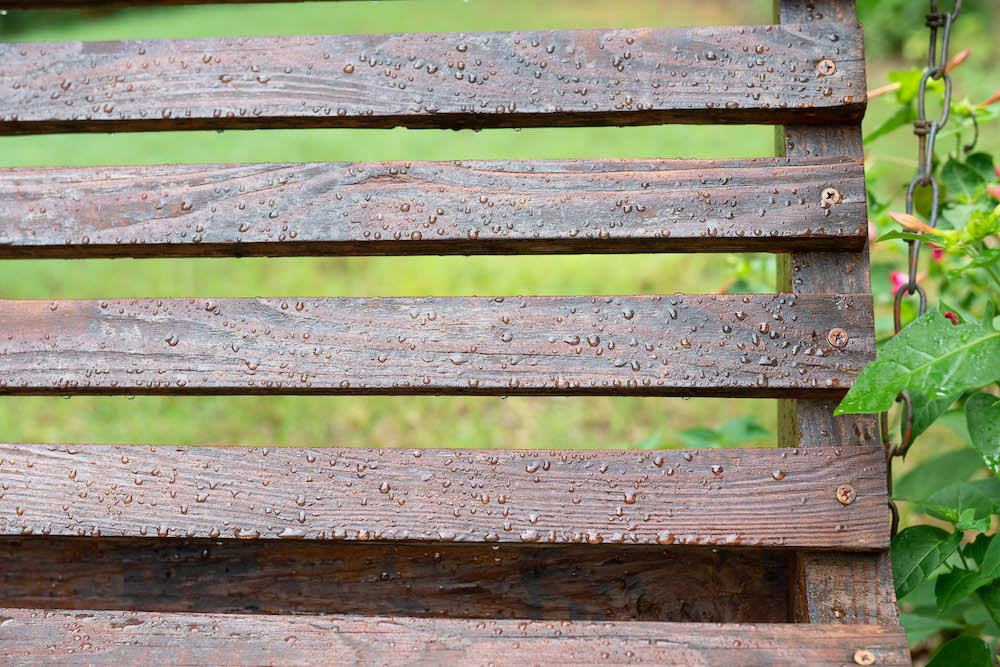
x=993, y=190
x=872, y=232
x=899, y=280
x=952, y=316
x=938, y=252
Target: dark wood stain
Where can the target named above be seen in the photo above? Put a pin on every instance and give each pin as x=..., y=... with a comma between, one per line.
x=574, y=582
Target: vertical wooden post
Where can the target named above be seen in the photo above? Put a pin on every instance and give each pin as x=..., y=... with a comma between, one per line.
x=834, y=587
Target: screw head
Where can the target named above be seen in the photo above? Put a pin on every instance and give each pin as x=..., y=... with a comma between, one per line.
x=830, y=196
x=826, y=67
x=838, y=337
x=864, y=657
x=846, y=494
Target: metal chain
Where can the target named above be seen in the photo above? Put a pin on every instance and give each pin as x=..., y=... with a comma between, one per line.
x=927, y=132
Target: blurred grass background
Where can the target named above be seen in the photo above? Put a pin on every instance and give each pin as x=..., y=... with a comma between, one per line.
x=591, y=422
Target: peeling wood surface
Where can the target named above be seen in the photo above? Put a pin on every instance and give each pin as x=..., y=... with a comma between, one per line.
x=102, y=637
x=729, y=345
x=732, y=74
x=750, y=497
x=470, y=207
x=570, y=582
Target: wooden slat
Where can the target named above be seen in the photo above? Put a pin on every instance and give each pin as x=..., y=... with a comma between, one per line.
x=440, y=208
x=567, y=582
x=102, y=637
x=729, y=345
x=753, y=497
x=733, y=74
x=842, y=588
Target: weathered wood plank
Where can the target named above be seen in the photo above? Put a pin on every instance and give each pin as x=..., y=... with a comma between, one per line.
x=732, y=74
x=729, y=345
x=851, y=588
x=542, y=206
x=103, y=637
x=570, y=582
x=752, y=497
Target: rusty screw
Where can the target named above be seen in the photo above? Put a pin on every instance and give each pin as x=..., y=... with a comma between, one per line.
x=864, y=657
x=838, y=337
x=826, y=67
x=830, y=196
x=846, y=495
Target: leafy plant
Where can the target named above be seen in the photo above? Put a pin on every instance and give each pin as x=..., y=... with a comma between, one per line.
x=946, y=572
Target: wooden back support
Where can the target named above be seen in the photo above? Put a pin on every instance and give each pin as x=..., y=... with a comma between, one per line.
x=118, y=554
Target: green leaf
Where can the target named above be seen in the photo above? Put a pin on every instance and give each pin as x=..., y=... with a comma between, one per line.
x=976, y=549
x=983, y=164
x=966, y=650
x=931, y=475
x=956, y=215
x=988, y=257
x=989, y=564
x=919, y=627
x=961, y=180
x=953, y=587
x=906, y=236
x=926, y=411
x=966, y=504
x=931, y=356
x=982, y=413
x=916, y=552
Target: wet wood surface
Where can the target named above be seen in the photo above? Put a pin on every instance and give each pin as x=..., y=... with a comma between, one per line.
x=732, y=74
x=469, y=207
x=103, y=637
x=728, y=345
x=749, y=497
x=830, y=588
x=574, y=582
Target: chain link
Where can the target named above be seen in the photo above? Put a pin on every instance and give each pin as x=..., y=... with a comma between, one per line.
x=926, y=131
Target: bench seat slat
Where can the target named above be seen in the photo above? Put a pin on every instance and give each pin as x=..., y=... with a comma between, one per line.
x=756, y=345
x=732, y=74
x=103, y=637
x=751, y=497
x=472, y=207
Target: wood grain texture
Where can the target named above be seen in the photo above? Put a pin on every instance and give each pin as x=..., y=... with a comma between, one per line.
x=544, y=206
x=850, y=588
x=730, y=345
x=733, y=74
x=574, y=582
x=752, y=497
x=102, y=637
